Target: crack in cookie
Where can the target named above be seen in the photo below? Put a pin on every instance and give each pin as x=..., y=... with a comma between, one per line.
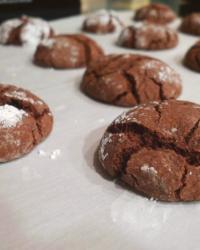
x=127, y=80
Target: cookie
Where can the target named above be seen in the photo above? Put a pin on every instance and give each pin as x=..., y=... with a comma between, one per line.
x=67, y=51
x=24, y=30
x=101, y=22
x=127, y=80
x=155, y=150
x=155, y=13
x=192, y=57
x=191, y=24
x=148, y=36
x=25, y=121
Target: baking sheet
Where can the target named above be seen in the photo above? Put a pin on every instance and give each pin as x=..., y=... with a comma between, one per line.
x=64, y=203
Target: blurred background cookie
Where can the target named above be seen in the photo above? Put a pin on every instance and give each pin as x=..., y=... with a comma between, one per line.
x=24, y=30
x=191, y=24
x=148, y=36
x=192, y=57
x=101, y=22
x=156, y=13
x=67, y=51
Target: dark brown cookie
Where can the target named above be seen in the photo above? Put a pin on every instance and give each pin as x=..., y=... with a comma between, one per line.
x=155, y=149
x=156, y=13
x=101, y=22
x=67, y=51
x=192, y=57
x=25, y=121
x=127, y=80
x=191, y=24
x=24, y=30
x=148, y=36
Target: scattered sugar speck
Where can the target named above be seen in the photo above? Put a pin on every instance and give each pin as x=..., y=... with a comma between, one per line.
x=55, y=154
x=173, y=130
x=42, y=152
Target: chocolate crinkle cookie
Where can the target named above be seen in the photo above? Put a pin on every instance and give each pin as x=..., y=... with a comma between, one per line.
x=148, y=36
x=192, y=57
x=101, y=22
x=24, y=30
x=127, y=80
x=156, y=13
x=191, y=24
x=155, y=150
x=25, y=121
x=67, y=51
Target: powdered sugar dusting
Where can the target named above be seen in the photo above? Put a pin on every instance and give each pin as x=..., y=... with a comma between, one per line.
x=6, y=28
x=20, y=95
x=146, y=32
x=102, y=17
x=174, y=130
x=48, y=42
x=107, y=138
x=33, y=30
x=10, y=116
x=150, y=170
x=162, y=72
x=129, y=116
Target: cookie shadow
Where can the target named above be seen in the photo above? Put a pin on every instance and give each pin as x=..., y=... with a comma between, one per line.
x=90, y=152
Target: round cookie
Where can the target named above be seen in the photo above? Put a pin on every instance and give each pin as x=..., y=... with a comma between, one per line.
x=24, y=30
x=155, y=13
x=155, y=150
x=192, y=57
x=191, y=24
x=148, y=36
x=25, y=121
x=101, y=22
x=67, y=51
x=127, y=80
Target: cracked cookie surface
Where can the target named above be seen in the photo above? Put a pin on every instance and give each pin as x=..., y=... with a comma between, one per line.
x=155, y=149
x=25, y=121
x=127, y=80
x=67, y=51
x=148, y=36
x=155, y=13
x=192, y=57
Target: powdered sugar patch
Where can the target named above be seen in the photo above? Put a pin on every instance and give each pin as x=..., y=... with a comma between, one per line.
x=6, y=28
x=106, y=140
x=10, y=116
x=150, y=170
